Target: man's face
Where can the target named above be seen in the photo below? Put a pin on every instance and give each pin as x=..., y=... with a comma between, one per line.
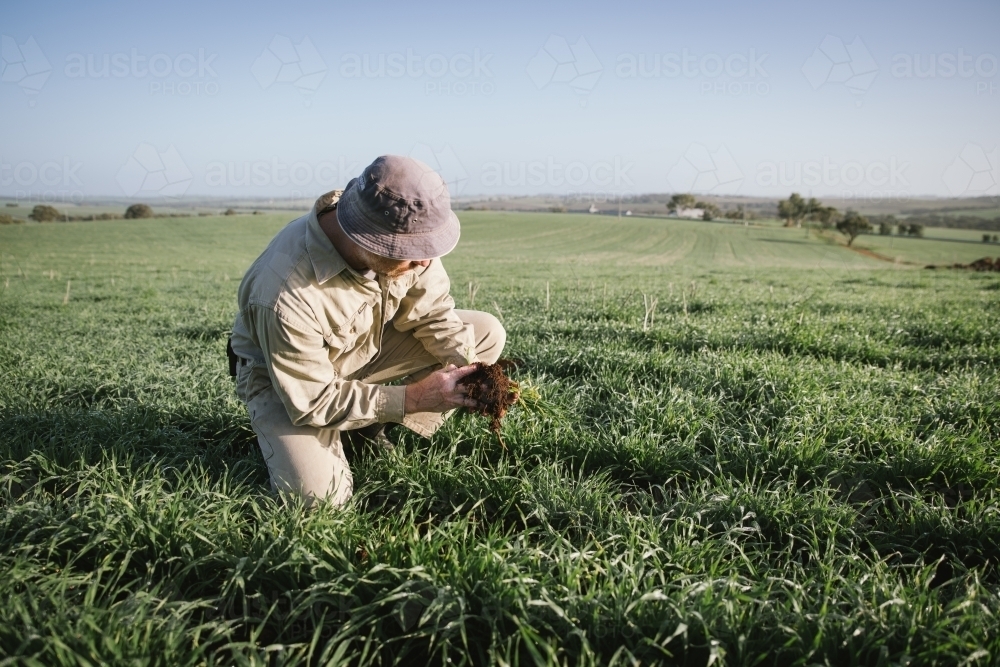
x=392, y=268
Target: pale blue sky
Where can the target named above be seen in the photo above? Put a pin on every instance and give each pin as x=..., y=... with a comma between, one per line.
x=520, y=98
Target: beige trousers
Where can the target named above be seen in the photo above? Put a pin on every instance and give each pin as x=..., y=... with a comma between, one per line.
x=310, y=461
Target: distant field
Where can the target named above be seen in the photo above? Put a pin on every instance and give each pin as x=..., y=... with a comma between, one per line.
x=604, y=244
x=794, y=458
x=977, y=212
x=695, y=245
x=939, y=246
x=494, y=241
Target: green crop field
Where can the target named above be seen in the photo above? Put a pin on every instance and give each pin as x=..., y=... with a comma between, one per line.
x=793, y=458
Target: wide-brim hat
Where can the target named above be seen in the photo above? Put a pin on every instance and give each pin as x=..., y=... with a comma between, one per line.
x=399, y=208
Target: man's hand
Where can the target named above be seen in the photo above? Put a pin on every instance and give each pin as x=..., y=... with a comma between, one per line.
x=440, y=391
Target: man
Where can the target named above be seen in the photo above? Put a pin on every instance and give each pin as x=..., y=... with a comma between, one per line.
x=343, y=300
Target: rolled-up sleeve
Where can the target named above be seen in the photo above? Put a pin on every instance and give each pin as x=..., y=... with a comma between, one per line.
x=428, y=311
x=298, y=361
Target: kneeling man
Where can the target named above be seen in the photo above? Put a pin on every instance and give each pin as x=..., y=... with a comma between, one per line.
x=344, y=300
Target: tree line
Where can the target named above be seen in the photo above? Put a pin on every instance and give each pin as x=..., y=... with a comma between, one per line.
x=709, y=211
x=956, y=221
x=46, y=213
x=796, y=210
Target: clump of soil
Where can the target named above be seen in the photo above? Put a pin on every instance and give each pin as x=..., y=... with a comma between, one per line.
x=984, y=264
x=493, y=390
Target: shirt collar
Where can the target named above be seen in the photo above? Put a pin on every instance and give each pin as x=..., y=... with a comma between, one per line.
x=326, y=261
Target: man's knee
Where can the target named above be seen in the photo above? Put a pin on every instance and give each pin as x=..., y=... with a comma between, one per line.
x=490, y=334
x=301, y=460
x=490, y=343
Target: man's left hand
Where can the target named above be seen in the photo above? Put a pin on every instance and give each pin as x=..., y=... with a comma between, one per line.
x=440, y=391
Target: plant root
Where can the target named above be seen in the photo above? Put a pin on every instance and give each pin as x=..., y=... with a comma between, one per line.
x=493, y=390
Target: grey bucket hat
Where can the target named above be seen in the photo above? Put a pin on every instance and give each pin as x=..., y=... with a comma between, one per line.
x=399, y=208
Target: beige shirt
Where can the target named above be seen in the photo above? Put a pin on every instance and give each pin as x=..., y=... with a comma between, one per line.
x=308, y=322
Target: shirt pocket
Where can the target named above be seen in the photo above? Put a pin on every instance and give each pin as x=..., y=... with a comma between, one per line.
x=348, y=340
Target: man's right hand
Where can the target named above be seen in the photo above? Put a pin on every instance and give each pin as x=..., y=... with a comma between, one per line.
x=440, y=391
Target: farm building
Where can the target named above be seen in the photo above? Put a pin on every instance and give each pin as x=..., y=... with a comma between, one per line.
x=690, y=213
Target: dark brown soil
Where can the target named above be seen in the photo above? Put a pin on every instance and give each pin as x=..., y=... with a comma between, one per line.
x=494, y=391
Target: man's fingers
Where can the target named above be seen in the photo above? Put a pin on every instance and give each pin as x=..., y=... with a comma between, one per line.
x=459, y=373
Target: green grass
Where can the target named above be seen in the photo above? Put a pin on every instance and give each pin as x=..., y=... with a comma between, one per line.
x=797, y=462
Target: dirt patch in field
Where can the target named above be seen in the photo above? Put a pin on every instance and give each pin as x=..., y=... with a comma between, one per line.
x=495, y=392
x=874, y=255
x=983, y=264
x=864, y=251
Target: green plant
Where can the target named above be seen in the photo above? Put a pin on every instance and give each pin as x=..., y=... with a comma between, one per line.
x=798, y=463
x=136, y=211
x=44, y=213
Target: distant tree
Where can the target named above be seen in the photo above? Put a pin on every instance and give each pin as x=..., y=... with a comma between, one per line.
x=794, y=210
x=557, y=209
x=229, y=211
x=678, y=202
x=708, y=211
x=915, y=230
x=43, y=213
x=852, y=225
x=885, y=223
x=738, y=213
x=987, y=238
x=6, y=219
x=996, y=239
x=825, y=215
x=136, y=211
